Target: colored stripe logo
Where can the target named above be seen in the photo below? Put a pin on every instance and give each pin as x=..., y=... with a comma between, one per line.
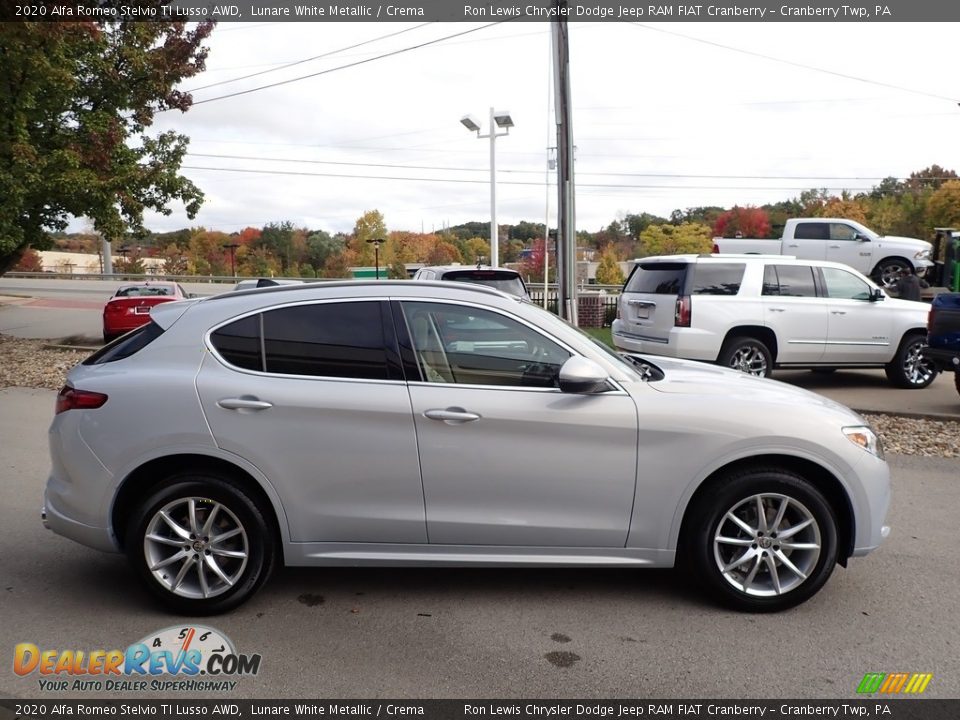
x=894, y=683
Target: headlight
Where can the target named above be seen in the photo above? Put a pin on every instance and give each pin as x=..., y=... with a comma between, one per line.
x=922, y=255
x=866, y=438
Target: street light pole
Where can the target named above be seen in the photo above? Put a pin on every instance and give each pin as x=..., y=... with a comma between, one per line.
x=376, y=242
x=232, y=247
x=502, y=120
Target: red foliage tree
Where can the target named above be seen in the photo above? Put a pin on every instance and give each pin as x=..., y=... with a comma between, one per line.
x=748, y=221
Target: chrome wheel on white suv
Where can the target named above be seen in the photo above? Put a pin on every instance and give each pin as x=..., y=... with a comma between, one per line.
x=909, y=368
x=748, y=355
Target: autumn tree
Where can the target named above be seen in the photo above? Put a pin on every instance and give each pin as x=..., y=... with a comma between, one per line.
x=608, y=271
x=277, y=239
x=78, y=101
x=207, y=255
x=943, y=208
x=30, y=261
x=443, y=253
x=674, y=239
x=742, y=222
x=175, y=261
x=369, y=226
x=844, y=207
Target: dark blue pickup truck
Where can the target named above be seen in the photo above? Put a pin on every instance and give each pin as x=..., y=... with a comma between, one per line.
x=943, y=334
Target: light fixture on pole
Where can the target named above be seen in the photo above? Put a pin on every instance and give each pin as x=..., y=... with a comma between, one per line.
x=498, y=119
x=376, y=242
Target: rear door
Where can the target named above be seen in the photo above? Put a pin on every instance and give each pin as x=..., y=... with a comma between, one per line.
x=310, y=395
x=809, y=240
x=648, y=302
x=793, y=310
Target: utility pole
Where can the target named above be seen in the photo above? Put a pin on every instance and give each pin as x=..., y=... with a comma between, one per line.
x=566, y=213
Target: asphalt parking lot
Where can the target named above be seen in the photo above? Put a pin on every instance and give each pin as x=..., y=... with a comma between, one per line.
x=418, y=633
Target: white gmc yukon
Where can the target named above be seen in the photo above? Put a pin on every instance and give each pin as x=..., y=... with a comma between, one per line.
x=881, y=257
x=758, y=312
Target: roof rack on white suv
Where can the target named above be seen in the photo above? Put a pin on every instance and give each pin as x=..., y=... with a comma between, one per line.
x=758, y=312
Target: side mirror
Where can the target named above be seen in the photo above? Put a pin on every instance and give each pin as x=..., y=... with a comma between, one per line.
x=860, y=237
x=584, y=376
x=877, y=295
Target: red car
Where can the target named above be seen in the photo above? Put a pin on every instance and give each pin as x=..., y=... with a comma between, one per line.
x=129, y=308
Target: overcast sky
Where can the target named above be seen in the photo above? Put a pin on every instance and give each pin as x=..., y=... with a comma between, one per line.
x=665, y=116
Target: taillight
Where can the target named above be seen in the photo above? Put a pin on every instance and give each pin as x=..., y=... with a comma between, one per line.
x=72, y=399
x=716, y=249
x=930, y=320
x=681, y=316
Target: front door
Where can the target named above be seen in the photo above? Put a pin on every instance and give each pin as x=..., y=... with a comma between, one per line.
x=507, y=458
x=859, y=330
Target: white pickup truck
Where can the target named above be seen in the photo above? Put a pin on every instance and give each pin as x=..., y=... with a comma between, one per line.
x=843, y=241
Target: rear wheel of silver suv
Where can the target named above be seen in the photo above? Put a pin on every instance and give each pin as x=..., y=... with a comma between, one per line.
x=747, y=355
x=200, y=544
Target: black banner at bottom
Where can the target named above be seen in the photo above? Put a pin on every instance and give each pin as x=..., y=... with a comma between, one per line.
x=882, y=708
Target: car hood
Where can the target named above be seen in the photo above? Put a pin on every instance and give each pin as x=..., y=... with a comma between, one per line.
x=906, y=242
x=688, y=377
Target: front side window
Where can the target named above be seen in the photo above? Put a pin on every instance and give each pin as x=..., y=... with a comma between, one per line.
x=841, y=231
x=844, y=285
x=472, y=346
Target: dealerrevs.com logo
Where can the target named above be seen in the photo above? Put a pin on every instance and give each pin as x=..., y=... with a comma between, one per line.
x=194, y=658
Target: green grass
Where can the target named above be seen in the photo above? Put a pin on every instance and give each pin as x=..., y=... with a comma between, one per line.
x=601, y=334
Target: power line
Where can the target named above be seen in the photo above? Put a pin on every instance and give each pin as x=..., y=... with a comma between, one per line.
x=796, y=64
x=690, y=176
x=309, y=59
x=507, y=182
x=344, y=67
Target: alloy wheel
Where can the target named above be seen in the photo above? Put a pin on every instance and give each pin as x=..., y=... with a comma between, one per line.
x=749, y=359
x=767, y=545
x=196, y=548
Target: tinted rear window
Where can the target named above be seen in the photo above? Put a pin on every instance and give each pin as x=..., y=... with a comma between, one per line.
x=789, y=281
x=126, y=345
x=717, y=278
x=508, y=282
x=657, y=278
x=239, y=343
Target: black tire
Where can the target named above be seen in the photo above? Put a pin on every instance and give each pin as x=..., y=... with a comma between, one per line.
x=909, y=369
x=747, y=355
x=707, y=521
x=245, y=558
x=888, y=271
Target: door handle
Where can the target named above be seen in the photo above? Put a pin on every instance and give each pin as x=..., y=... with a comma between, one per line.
x=244, y=403
x=794, y=245
x=838, y=312
x=451, y=415
x=777, y=309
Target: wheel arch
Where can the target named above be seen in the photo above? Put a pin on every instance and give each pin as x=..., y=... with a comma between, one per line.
x=890, y=258
x=154, y=474
x=820, y=477
x=762, y=333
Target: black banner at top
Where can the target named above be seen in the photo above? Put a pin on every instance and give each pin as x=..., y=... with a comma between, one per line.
x=879, y=708
x=481, y=11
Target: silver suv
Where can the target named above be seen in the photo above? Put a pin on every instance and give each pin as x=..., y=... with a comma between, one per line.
x=503, y=279
x=407, y=423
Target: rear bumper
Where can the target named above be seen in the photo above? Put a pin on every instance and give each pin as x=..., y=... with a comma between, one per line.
x=947, y=360
x=96, y=537
x=685, y=343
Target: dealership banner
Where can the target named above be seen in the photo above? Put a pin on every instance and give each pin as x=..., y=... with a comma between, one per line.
x=481, y=11
x=892, y=709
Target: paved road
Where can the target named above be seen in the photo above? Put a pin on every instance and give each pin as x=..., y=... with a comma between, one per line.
x=63, y=308
x=489, y=632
